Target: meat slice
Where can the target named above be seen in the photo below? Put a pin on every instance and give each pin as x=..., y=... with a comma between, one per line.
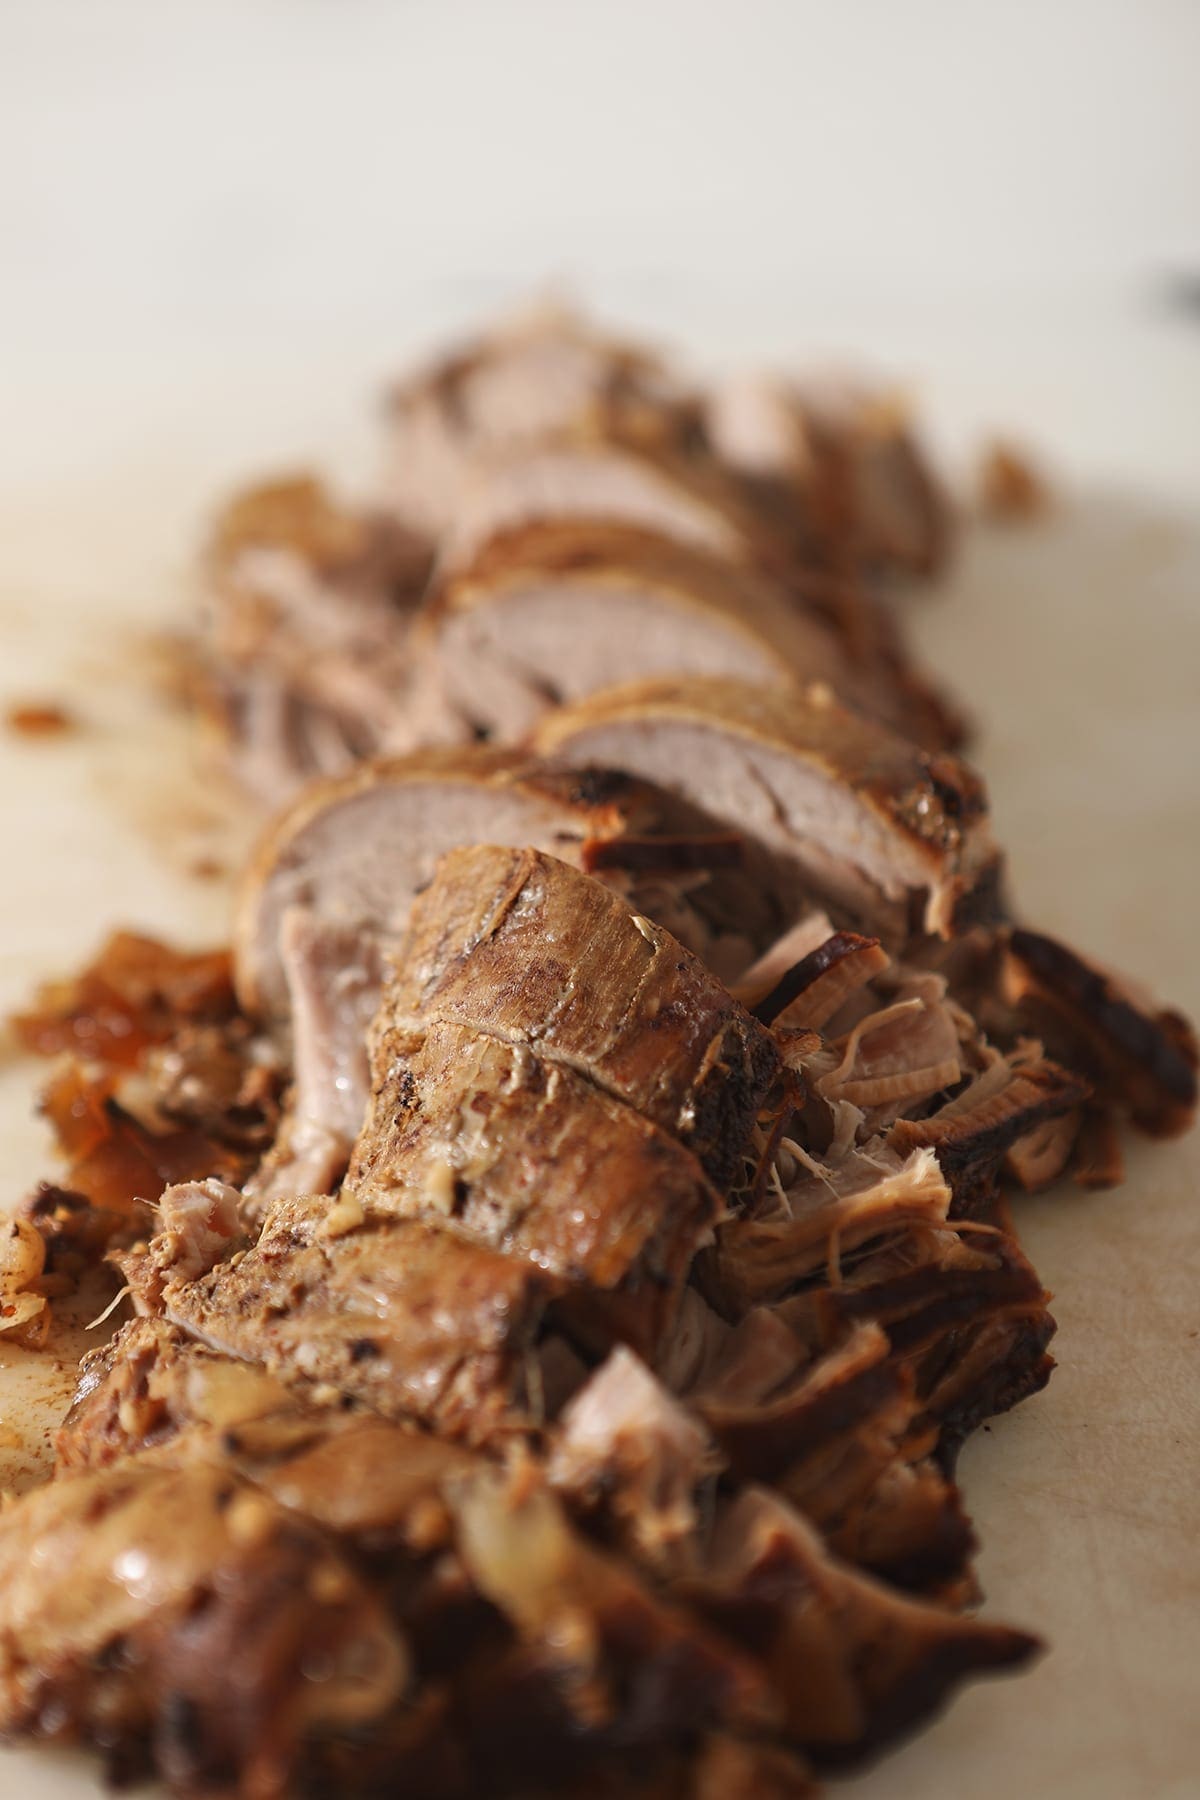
x=531, y=1159
x=172, y=1615
x=980, y=1126
x=544, y=378
x=411, y=1318
x=552, y=610
x=893, y=841
x=844, y=459
x=1142, y=1059
x=520, y=946
x=613, y=483
x=354, y=851
x=305, y=634
x=824, y=1216
x=328, y=895
x=807, y=993
x=853, y=1663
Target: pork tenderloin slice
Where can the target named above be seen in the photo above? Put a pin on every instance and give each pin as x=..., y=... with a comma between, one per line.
x=846, y=459
x=1141, y=1058
x=608, y=483
x=825, y=1215
x=309, y=601
x=555, y=609
x=534, y=1161
x=853, y=1662
x=973, y=1133
x=356, y=849
x=544, y=378
x=523, y=947
x=411, y=1318
x=891, y=839
x=830, y=1400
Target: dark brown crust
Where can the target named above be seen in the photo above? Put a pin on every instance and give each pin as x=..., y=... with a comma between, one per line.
x=713, y=850
x=1145, y=1061
x=520, y=946
x=970, y=1145
x=803, y=975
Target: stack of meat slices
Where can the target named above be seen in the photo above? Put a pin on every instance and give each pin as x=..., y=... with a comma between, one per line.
x=559, y=513
x=568, y=1234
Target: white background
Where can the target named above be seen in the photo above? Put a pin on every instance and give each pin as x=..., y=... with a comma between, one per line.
x=223, y=222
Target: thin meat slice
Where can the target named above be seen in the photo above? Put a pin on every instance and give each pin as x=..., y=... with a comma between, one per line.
x=354, y=1311
x=545, y=378
x=536, y=1162
x=893, y=841
x=844, y=460
x=520, y=946
x=1141, y=1059
x=328, y=895
x=609, y=483
x=821, y=1217
x=811, y=990
x=552, y=610
x=980, y=1126
x=354, y=851
x=853, y=1662
x=308, y=613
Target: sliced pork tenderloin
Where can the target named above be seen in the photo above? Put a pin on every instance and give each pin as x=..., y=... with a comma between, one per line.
x=551, y=610
x=535, y=1161
x=544, y=378
x=329, y=891
x=892, y=841
x=338, y=1302
x=839, y=461
x=306, y=626
x=1140, y=1058
x=521, y=946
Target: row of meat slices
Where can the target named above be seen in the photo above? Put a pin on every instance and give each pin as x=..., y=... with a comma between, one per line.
x=579, y=1245
x=563, y=514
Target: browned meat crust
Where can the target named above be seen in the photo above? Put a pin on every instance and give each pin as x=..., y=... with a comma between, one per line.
x=517, y=945
x=357, y=1313
x=894, y=839
x=530, y=1158
x=1142, y=1060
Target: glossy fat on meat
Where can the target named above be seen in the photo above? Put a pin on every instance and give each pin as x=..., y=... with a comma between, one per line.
x=520, y=946
x=175, y=1606
x=888, y=837
x=531, y=1159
